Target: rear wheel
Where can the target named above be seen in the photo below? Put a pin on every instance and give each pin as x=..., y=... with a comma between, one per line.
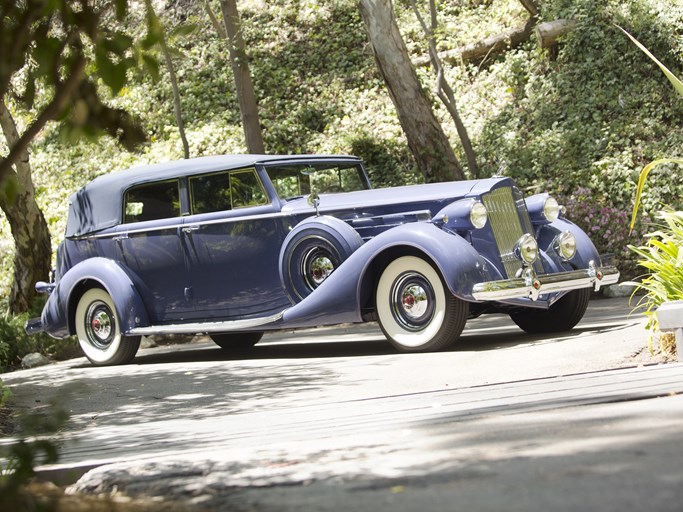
x=561, y=316
x=416, y=312
x=237, y=341
x=99, y=333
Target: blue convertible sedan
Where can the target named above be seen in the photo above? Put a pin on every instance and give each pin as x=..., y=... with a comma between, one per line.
x=237, y=245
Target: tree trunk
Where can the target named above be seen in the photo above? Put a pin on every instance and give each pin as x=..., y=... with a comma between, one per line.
x=547, y=33
x=482, y=49
x=530, y=6
x=174, y=81
x=245, y=88
x=443, y=89
x=33, y=250
x=176, y=98
x=426, y=139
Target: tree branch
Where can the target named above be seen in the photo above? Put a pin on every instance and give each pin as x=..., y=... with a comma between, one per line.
x=443, y=88
x=530, y=6
x=481, y=49
x=218, y=27
x=51, y=111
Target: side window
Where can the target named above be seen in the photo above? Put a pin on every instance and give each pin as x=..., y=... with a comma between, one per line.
x=246, y=189
x=226, y=191
x=210, y=193
x=152, y=201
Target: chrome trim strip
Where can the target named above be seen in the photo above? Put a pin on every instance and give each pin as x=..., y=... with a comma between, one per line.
x=205, y=327
x=531, y=286
x=177, y=226
x=420, y=216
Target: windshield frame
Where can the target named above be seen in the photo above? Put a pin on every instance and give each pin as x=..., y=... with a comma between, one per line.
x=297, y=179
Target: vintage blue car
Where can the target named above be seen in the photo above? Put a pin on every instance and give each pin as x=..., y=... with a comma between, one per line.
x=233, y=246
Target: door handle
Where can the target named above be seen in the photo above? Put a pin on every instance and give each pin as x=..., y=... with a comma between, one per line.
x=120, y=238
x=188, y=230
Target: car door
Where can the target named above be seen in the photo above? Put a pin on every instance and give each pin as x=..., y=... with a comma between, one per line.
x=233, y=238
x=150, y=246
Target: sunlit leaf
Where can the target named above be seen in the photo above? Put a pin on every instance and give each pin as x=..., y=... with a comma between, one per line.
x=121, y=9
x=9, y=188
x=151, y=65
x=183, y=30
x=46, y=53
x=118, y=43
x=112, y=74
x=641, y=182
x=678, y=85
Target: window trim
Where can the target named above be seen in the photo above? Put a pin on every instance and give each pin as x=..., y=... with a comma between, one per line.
x=149, y=184
x=190, y=191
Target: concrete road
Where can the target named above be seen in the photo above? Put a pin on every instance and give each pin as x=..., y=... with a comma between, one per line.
x=333, y=418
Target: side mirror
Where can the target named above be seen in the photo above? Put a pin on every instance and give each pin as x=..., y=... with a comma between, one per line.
x=314, y=201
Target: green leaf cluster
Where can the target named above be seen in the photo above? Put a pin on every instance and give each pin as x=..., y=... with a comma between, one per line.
x=662, y=257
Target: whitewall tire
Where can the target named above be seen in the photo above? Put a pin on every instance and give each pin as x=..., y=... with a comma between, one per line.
x=99, y=333
x=416, y=312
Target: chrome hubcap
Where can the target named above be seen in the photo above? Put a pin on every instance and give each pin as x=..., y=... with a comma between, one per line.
x=100, y=325
x=317, y=266
x=415, y=302
x=321, y=268
x=412, y=301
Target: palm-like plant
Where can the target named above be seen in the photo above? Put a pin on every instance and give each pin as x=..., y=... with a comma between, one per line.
x=662, y=255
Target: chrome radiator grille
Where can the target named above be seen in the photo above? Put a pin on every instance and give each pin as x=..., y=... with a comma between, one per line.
x=509, y=220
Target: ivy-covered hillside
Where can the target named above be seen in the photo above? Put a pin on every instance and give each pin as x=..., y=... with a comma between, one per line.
x=579, y=121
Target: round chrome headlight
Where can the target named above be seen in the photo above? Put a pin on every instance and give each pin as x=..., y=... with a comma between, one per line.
x=526, y=248
x=551, y=209
x=565, y=245
x=478, y=215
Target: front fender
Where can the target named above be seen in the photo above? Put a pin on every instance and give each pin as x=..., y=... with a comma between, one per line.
x=338, y=298
x=585, y=249
x=57, y=317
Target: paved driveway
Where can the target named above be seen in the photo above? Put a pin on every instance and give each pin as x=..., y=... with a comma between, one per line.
x=335, y=412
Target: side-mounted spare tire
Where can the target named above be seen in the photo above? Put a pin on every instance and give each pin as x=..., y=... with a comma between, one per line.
x=312, y=251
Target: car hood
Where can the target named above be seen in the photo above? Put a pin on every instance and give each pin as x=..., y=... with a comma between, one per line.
x=432, y=196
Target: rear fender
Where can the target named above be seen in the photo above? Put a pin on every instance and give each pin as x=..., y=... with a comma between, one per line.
x=58, y=314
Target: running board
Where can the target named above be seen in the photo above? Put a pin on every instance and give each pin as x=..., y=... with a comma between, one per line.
x=205, y=327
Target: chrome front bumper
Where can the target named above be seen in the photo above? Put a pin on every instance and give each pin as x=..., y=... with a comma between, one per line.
x=530, y=285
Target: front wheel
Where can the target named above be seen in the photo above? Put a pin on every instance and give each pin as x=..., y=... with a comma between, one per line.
x=561, y=316
x=99, y=333
x=416, y=312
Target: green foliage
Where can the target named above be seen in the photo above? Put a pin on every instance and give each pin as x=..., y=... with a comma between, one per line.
x=15, y=343
x=34, y=449
x=662, y=257
x=641, y=182
x=57, y=57
x=608, y=228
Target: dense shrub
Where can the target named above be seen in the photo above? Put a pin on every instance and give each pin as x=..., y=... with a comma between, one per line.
x=608, y=228
x=15, y=343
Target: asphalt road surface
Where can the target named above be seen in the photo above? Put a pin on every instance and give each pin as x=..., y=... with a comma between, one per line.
x=334, y=419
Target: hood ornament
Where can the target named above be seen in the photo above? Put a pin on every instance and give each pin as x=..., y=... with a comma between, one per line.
x=314, y=201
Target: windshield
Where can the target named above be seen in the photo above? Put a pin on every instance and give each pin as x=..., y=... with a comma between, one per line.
x=296, y=180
